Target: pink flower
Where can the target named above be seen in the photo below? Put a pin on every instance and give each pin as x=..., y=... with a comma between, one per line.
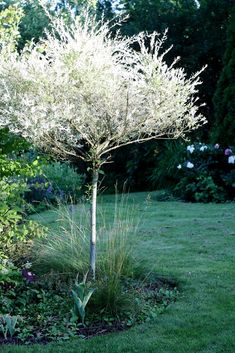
x=228, y=152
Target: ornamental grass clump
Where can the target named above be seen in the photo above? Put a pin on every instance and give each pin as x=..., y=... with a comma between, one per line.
x=82, y=93
x=65, y=248
x=116, y=263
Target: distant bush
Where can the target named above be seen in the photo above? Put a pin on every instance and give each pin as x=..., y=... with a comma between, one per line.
x=56, y=182
x=207, y=174
x=64, y=180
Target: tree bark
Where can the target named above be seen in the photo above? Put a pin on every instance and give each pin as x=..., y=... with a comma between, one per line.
x=95, y=177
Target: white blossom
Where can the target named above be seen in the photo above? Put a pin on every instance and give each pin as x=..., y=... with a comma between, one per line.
x=190, y=165
x=203, y=148
x=231, y=159
x=191, y=148
x=90, y=89
x=179, y=166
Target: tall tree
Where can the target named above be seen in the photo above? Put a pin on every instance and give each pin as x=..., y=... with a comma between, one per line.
x=34, y=22
x=224, y=98
x=197, y=31
x=104, y=9
x=88, y=94
x=198, y=36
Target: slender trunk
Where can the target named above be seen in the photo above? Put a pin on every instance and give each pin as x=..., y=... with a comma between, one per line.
x=95, y=177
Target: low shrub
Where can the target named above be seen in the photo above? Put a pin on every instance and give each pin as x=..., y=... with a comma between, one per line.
x=57, y=182
x=43, y=314
x=64, y=180
x=207, y=174
x=16, y=232
x=9, y=274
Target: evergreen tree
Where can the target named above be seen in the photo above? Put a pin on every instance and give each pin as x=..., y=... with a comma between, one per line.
x=34, y=22
x=224, y=99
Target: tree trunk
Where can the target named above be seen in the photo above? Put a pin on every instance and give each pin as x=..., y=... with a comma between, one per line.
x=95, y=177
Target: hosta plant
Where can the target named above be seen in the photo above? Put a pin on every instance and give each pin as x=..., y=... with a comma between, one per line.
x=8, y=325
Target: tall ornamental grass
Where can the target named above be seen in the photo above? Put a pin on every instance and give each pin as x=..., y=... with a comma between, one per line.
x=65, y=248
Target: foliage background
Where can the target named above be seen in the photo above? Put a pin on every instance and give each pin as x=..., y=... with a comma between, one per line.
x=199, y=35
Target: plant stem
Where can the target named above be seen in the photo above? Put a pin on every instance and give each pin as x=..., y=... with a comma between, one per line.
x=95, y=177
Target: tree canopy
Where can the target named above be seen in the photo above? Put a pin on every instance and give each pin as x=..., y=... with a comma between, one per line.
x=83, y=93
x=80, y=86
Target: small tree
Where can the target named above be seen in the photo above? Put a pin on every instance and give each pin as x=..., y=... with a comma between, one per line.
x=81, y=93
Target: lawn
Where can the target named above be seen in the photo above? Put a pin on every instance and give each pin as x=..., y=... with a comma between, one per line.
x=192, y=243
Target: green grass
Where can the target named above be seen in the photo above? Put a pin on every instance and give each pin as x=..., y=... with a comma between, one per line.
x=194, y=244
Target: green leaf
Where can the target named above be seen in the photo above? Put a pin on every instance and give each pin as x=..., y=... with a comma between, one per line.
x=87, y=297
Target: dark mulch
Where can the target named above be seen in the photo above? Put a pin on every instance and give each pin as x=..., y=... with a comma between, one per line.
x=162, y=283
x=101, y=329
x=12, y=340
x=17, y=341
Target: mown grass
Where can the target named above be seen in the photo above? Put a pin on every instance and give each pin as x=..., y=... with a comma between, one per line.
x=192, y=243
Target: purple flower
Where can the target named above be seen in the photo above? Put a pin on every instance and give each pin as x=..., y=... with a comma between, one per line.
x=216, y=146
x=61, y=194
x=29, y=276
x=49, y=189
x=228, y=152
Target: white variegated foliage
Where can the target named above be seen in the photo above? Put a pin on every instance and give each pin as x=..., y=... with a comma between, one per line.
x=81, y=92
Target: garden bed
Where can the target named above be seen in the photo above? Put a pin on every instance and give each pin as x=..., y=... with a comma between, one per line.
x=41, y=318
